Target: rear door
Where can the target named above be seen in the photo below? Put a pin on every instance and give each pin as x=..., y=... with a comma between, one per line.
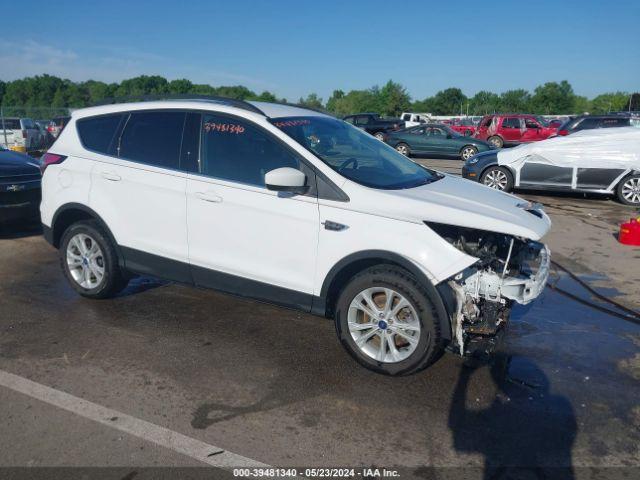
x=138, y=189
x=243, y=238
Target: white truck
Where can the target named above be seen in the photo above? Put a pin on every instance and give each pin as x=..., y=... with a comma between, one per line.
x=413, y=119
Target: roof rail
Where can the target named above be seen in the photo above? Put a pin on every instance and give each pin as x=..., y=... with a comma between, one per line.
x=232, y=102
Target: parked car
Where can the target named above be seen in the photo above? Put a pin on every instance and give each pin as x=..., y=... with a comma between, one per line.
x=597, y=161
x=589, y=122
x=19, y=186
x=435, y=139
x=465, y=126
x=57, y=125
x=45, y=138
x=504, y=130
x=20, y=134
x=555, y=122
x=294, y=207
x=413, y=119
x=374, y=124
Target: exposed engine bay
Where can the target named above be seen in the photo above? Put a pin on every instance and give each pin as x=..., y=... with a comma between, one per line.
x=508, y=270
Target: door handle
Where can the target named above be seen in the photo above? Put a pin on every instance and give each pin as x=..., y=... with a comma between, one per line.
x=209, y=197
x=114, y=177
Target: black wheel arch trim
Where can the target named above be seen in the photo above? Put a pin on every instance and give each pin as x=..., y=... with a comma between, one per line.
x=54, y=236
x=437, y=295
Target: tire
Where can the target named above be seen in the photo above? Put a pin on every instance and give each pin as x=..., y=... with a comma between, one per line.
x=417, y=320
x=497, y=177
x=93, y=275
x=628, y=190
x=496, y=141
x=467, y=152
x=379, y=136
x=404, y=149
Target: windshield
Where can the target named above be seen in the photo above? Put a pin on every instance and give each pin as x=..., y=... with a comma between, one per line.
x=355, y=154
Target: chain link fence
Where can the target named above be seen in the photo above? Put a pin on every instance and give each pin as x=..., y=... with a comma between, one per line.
x=30, y=129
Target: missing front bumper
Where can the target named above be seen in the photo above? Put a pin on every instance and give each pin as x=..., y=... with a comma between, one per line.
x=484, y=298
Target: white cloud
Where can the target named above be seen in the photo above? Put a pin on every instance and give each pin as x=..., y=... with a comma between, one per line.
x=108, y=64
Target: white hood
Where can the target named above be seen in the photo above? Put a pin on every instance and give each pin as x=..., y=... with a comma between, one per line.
x=456, y=201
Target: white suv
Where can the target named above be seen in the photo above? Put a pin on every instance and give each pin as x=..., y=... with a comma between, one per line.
x=293, y=207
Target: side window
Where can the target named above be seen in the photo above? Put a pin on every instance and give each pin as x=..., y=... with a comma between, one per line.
x=97, y=133
x=153, y=138
x=587, y=123
x=487, y=122
x=531, y=123
x=511, y=122
x=362, y=120
x=350, y=120
x=238, y=151
x=406, y=117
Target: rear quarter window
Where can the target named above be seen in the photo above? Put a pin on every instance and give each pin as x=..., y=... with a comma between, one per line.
x=98, y=133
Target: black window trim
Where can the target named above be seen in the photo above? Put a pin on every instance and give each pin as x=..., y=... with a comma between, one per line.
x=334, y=192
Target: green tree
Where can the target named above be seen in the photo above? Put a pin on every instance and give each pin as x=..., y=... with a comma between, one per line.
x=312, y=101
x=518, y=100
x=484, y=102
x=180, y=86
x=609, y=102
x=393, y=99
x=448, y=102
x=553, y=98
x=634, y=103
x=335, y=97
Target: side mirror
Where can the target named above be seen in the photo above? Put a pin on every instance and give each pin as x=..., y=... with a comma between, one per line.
x=286, y=179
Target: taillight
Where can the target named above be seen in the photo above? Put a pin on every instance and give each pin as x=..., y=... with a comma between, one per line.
x=50, y=159
x=563, y=132
x=24, y=134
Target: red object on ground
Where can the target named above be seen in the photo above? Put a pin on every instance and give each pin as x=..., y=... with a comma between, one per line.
x=630, y=232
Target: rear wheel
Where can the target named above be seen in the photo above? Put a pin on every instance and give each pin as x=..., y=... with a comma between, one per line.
x=496, y=141
x=379, y=136
x=386, y=321
x=404, y=149
x=628, y=190
x=497, y=177
x=467, y=152
x=90, y=262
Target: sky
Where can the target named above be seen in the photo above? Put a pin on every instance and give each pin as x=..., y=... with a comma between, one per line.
x=294, y=48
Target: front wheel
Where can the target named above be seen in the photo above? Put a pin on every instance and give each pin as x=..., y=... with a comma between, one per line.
x=628, y=190
x=497, y=177
x=386, y=321
x=467, y=152
x=90, y=262
x=404, y=149
x=379, y=136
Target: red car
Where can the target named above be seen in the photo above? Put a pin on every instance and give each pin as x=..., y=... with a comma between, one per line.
x=500, y=130
x=465, y=126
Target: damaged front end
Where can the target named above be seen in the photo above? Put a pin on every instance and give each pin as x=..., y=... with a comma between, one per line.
x=509, y=269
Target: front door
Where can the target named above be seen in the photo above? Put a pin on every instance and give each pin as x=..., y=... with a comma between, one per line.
x=243, y=238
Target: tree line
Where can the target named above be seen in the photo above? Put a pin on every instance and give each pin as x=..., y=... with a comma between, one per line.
x=390, y=99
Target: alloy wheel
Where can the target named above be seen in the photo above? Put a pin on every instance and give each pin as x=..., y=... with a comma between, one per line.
x=379, y=136
x=496, y=179
x=383, y=324
x=403, y=149
x=85, y=261
x=468, y=152
x=631, y=190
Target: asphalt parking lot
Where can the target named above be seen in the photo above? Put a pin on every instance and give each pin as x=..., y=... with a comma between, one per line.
x=166, y=375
